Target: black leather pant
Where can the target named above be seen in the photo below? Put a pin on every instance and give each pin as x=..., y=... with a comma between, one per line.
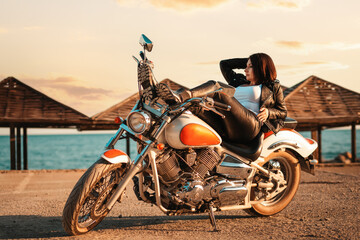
x=240, y=125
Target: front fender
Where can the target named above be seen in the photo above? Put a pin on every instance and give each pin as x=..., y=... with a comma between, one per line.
x=115, y=156
x=290, y=139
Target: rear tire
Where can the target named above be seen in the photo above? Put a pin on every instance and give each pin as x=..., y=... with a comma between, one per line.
x=85, y=207
x=292, y=172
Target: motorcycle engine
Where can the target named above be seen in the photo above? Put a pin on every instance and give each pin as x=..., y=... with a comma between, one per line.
x=186, y=180
x=184, y=173
x=173, y=163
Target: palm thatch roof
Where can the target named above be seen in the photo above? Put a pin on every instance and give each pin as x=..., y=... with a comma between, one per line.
x=316, y=102
x=105, y=119
x=22, y=105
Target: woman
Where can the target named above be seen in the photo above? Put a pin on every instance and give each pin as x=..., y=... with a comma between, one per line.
x=256, y=100
x=260, y=72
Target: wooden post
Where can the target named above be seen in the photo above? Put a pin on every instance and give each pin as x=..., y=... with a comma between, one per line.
x=18, y=148
x=316, y=135
x=319, y=145
x=353, y=142
x=25, y=149
x=12, y=148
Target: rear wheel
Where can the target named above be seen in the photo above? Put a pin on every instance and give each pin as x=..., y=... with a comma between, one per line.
x=287, y=168
x=86, y=205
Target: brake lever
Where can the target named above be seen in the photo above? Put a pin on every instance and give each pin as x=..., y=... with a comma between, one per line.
x=218, y=113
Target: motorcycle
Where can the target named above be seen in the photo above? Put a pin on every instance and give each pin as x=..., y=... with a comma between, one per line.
x=183, y=165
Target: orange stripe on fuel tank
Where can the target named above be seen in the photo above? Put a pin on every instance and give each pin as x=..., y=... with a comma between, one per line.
x=197, y=135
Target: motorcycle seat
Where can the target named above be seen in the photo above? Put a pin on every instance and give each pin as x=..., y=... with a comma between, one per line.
x=290, y=123
x=249, y=150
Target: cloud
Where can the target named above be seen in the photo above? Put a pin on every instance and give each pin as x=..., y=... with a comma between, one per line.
x=179, y=5
x=290, y=74
x=290, y=44
x=183, y=5
x=71, y=87
x=304, y=69
x=292, y=5
x=74, y=93
x=313, y=66
x=343, y=46
x=305, y=48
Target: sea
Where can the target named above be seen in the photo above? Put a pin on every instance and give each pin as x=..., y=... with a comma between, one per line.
x=80, y=151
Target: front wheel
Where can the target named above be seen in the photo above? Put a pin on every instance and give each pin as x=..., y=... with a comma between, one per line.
x=86, y=205
x=287, y=167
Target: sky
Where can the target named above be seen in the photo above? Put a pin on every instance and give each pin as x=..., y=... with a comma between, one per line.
x=80, y=52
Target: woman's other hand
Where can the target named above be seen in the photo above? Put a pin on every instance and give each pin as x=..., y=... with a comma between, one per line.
x=263, y=115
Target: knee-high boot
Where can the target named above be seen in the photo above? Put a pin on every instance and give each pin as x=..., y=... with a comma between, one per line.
x=183, y=94
x=204, y=89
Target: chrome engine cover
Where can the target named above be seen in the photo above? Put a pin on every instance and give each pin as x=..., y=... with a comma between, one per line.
x=224, y=191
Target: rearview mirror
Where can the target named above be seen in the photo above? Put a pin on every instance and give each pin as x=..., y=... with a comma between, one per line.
x=146, y=43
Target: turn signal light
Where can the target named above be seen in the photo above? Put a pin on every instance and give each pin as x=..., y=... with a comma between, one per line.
x=118, y=120
x=309, y=140
x=160, y=146
x=267, y=134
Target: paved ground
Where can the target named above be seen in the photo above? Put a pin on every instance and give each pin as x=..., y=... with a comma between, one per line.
x=325, y=207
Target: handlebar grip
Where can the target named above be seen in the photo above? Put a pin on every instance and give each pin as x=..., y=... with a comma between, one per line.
x=222, y=106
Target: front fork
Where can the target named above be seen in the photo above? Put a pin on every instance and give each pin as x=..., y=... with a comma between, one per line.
x=136, y=165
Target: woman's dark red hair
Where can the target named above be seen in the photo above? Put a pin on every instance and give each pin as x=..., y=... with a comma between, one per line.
x=263, y=67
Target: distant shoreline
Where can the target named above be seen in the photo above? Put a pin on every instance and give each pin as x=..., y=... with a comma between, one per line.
x=54, y=132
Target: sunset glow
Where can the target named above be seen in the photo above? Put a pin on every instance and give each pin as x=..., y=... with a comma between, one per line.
x=80, y=52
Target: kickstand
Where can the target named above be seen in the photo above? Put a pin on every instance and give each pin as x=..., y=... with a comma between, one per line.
x=212, y=218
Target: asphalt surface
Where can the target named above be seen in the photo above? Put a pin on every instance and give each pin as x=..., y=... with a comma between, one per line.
x=326, y=206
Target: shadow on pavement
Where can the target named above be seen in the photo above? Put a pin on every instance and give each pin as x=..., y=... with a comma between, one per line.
x=30, y=226
x=34, y=226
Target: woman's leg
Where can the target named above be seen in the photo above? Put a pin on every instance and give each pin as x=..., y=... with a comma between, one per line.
x=241, y=125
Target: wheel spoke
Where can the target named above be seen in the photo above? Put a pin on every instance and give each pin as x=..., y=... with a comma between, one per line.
x=281, y=169
x=93, y=206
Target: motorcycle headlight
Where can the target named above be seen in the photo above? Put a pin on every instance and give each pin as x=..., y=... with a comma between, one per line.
x=139, y=121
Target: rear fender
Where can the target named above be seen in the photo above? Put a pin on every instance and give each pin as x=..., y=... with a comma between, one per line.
x=288, y=139
x=292, y=141
x=115, y=156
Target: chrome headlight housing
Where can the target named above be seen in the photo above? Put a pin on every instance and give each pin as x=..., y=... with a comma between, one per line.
x=139, y=121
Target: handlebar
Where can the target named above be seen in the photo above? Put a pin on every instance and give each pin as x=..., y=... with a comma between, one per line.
x=185, y=104
x=222, y=106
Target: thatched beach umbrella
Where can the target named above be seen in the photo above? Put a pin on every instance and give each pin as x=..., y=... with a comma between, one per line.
x=21, y=106
x=318, y=104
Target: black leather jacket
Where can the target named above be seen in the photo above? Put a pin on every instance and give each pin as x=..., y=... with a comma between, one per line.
x=271, y=98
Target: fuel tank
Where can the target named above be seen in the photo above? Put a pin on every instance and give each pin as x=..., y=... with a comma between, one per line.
x=189, y=131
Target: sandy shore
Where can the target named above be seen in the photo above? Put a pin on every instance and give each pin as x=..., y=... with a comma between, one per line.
x=325, y=207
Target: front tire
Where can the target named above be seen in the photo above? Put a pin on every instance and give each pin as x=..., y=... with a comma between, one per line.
x=291, y=171
x=85, y=207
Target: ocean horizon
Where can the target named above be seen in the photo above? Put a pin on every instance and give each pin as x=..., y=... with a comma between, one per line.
x=80, y=151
